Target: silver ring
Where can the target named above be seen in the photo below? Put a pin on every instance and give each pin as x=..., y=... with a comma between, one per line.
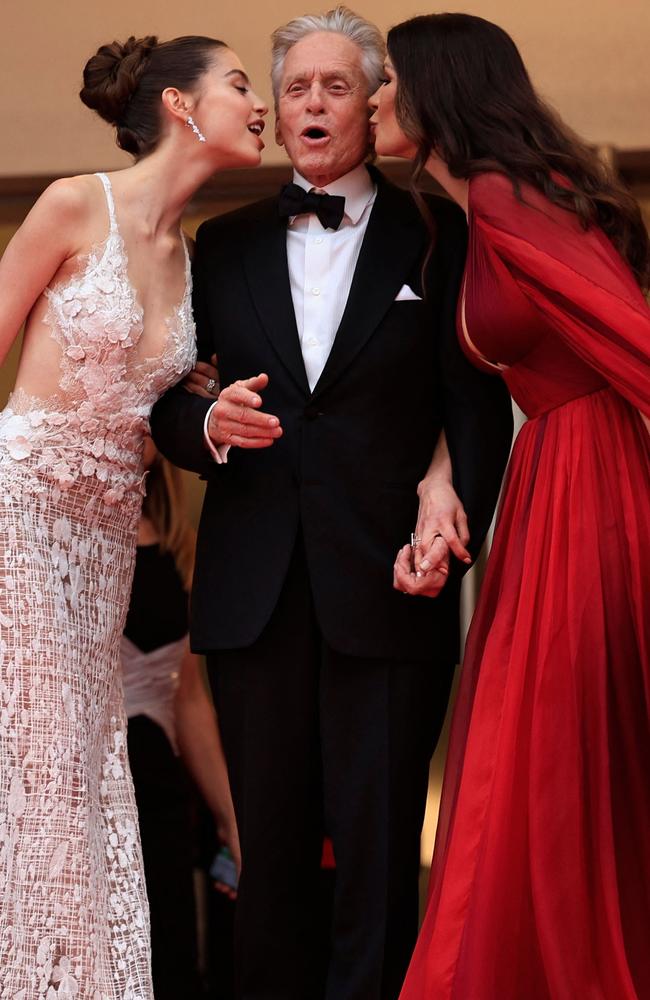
x=210, y=385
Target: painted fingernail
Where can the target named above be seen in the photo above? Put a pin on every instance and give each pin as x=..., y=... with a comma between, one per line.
x=425, y=564
x=418, y=574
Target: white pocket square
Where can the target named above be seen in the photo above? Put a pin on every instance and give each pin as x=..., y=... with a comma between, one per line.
x=407, y=294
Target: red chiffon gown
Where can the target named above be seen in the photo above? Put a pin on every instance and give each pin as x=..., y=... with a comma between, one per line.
x=540, y=885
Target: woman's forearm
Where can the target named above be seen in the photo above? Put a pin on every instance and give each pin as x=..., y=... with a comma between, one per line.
x=440, y=466
x=200, y=743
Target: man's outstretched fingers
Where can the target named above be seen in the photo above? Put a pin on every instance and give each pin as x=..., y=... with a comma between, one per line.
x=252, y=428
x=237, y=419
x=256, y=384
x=240, y=395
x=250, y=442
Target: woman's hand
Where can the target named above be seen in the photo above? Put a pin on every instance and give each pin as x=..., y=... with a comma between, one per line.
x=422, y=568
x=441, y=518
x=203, y=380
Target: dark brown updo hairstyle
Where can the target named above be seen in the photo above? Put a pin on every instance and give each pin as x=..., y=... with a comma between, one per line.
x=123, y=82
x=463, y=91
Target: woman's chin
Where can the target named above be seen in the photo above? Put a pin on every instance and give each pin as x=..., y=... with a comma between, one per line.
x=389, y=149
x=241, y=158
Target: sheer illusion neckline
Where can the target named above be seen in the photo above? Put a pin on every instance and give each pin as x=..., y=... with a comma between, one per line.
x=114, y=230
x=92, y=261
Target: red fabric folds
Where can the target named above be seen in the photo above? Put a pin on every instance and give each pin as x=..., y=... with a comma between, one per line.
x=540, y=885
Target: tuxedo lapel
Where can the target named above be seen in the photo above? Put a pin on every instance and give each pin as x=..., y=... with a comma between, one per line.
x=394, y=240
x=267, y=273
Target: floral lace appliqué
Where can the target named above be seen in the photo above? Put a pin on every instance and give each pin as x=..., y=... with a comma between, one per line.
x=73, y=908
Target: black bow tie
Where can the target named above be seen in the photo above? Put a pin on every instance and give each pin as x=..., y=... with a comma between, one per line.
x=329, y=208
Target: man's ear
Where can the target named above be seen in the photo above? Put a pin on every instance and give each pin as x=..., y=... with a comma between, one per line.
x=278, y=130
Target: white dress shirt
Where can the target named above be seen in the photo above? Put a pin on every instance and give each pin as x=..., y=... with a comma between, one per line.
x=322, y=264
x=321, y=267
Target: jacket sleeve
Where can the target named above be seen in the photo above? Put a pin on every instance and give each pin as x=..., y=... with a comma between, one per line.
x=178, y=417
x=575, y=277
x=477, y=411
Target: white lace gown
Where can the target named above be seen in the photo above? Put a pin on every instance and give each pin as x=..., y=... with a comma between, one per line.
x=73, y=908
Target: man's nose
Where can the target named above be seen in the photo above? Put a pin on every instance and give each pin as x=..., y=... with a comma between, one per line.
x=315, y=101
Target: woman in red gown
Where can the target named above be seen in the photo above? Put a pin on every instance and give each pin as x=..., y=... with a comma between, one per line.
x=540, y=885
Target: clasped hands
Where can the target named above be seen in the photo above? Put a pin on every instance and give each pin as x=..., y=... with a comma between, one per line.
x=422, y=569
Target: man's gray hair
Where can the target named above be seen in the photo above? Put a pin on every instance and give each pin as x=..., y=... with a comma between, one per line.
x=342, y=21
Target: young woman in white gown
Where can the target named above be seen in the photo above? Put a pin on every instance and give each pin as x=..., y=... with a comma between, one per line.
x=100, y=274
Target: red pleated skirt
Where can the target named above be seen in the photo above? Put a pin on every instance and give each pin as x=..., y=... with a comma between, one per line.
x=540, y=885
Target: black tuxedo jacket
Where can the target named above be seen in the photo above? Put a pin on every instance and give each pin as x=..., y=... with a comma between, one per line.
x=346, y=471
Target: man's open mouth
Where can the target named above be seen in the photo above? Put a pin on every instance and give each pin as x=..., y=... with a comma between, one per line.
x=314, y=133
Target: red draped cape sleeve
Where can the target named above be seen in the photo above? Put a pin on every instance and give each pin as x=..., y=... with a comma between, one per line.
x=573, y=276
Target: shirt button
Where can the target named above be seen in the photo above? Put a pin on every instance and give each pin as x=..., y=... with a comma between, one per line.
x=312, y=342
x=318, y=240
x=315, y=291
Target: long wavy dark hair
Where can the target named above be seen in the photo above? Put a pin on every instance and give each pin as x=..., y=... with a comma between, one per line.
x=463, y=91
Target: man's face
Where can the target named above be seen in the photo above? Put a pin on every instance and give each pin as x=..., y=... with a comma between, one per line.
x=322, y=112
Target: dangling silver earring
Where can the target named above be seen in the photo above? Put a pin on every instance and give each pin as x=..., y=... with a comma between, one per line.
x=195, y=128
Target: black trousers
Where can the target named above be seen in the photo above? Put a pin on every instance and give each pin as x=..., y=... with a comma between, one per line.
x=318, y=741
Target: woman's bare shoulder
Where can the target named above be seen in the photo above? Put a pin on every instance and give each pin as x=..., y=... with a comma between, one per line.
x=69, y=200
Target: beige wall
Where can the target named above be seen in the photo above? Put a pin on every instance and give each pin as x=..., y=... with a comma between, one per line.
x=589, y=57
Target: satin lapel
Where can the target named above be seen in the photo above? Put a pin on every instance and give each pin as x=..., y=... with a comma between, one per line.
x=394, y=239
x=267, y=273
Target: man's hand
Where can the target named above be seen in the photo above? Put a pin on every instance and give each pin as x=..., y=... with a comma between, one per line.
x=429, y=584
x=236, y=418
x=203, y=380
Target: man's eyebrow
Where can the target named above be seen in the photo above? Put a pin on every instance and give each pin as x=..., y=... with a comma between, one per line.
x=302, y=76
x=339, y=74
x=238, y=72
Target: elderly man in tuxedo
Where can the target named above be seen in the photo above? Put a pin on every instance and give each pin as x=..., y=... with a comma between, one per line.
x=331, y=682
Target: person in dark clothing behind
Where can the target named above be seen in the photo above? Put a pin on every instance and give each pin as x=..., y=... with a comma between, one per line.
x=171, y=724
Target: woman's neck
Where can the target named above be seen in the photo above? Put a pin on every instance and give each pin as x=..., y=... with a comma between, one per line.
x=157, y=188
x=456, y=188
